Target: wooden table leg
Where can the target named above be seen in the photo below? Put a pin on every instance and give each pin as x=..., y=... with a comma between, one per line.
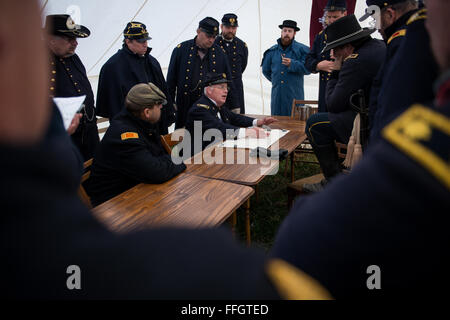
x=233, y=222
x=247, y=222
x=292, y=165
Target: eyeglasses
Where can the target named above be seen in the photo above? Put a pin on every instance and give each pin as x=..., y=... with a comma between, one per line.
x=221, y=86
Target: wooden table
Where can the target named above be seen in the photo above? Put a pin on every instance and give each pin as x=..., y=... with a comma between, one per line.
x=184, y=201
x=249, y=173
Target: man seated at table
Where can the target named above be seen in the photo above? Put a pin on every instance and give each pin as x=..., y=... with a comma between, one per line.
x=131, y=151
x=207, y=113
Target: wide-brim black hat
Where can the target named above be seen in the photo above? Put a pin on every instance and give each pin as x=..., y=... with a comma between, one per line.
x=343, y=31
x=63, y=25
x=289, y=24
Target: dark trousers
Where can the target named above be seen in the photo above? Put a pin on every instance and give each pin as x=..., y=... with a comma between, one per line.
x=322, y=137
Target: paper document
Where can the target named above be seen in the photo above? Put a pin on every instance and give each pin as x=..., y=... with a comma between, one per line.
x=251, y=143
x=68, y=107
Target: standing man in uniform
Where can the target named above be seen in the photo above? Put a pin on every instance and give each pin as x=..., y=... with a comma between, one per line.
x=397, y=85
x=69, y=78
x=284, y=66
x=237, y=53
x=357, y=59
x=190, y=62
x=318, y=61
x=131, y=65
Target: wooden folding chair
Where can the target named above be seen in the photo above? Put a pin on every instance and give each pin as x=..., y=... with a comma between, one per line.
x=169, y=143
x=298, y=113
x=81, y=191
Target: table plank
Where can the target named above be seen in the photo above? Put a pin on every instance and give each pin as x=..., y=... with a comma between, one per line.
x=185, y=201
x=231, y=164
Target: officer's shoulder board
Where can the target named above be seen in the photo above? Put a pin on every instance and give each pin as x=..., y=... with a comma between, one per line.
x=293, y=284
x=399, y=33
x=419, y=15
x=129, y=135
x=412, y=132
x=203, y=106
x=352, y=56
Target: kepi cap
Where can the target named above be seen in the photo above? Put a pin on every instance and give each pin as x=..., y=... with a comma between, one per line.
x=136, y=30
x=209, y=25
x=230, y=19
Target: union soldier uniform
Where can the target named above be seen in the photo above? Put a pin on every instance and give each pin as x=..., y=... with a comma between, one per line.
x=410, y=75
x=68, y=78
x=210, y=116
x=131, y=151
x=312, y=59
x=237, y=53
x=187, y=71
x=317, y=55
x=125, y=69
x=357, y=72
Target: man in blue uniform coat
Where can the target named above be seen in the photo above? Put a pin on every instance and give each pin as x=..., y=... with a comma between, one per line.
x=284, y=66
x=190, y=62
x=68, y=77
x=209, y=113
x=357, y=60
x=318, y=61
x=409, y=53
x=237, y=53
x=131, y=151
x=131, y=65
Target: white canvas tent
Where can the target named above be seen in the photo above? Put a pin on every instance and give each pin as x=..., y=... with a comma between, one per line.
x=171, y=22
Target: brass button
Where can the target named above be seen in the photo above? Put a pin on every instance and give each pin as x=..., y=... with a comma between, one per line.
x=282, y=81
x=53, y=80
x=214, y=70
x=282, y=72
x=53, y=71
x=51, y=88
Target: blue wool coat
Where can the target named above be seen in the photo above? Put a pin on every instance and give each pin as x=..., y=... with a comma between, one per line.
x=287, y=83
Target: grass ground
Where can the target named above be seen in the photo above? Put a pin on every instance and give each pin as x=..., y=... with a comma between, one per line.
x=267, y=213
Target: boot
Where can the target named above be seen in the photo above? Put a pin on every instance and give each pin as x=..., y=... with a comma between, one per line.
x=329, y=163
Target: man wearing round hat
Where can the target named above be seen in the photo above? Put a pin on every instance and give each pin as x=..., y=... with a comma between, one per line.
x=131, y=65
x=69, y=79
x=208, y=113
x=191, y=60
x=237, y=53
x=318, y=61
x=357, y=59
x=131, y=151
x=409, y=69
x=284, y=66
